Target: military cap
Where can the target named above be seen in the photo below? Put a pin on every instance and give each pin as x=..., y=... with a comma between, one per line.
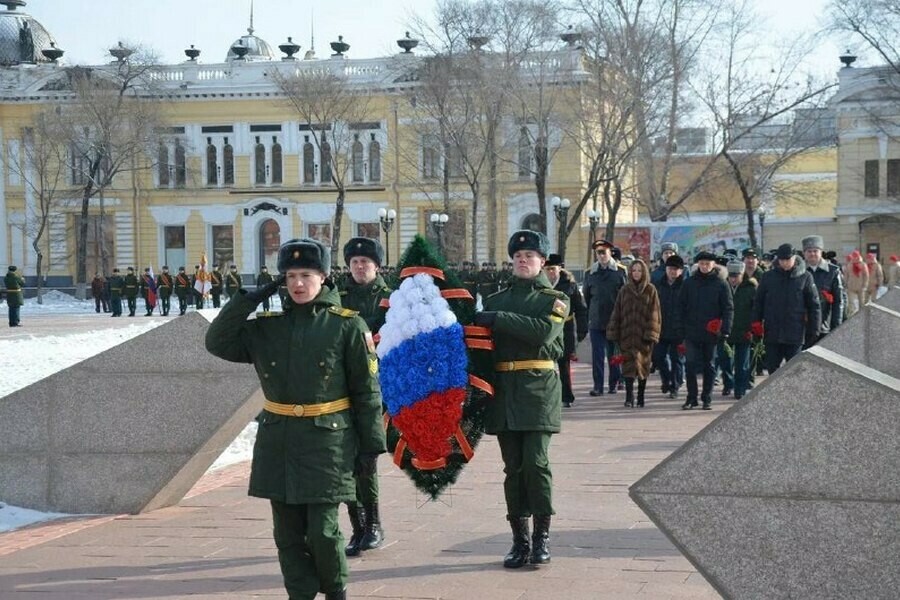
x=196, y=267
x=735, y=267
x=367, y=247
x=131, y=269
x=181, y=268
x=264, y=268
x=730, y=253
x=601, y=244
x=304, y=253
x=147, y=270
x=616, y=253
x=722, y=260
x=626, y=260
x=12, y=267
x=528, y=240
x=165, y=267
x=675, y=261
x=749, y=252
x=215, y=266
x=813, y=241
x=784, y=251
x=233, y=267
x=669, y=246
x=704, y=255
x=116, y=270
x=554, y=260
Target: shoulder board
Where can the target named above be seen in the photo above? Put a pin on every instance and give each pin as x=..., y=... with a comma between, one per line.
x=551, y=292
x=343, y=292
x=497, y=293
x=269, y=313
x=344, y=312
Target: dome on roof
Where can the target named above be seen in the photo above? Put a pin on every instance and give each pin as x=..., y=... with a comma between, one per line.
x=257, y=48
x=21, y=37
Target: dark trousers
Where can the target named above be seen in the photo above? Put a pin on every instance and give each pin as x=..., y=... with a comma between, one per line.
x=100, y=301
x=198, y=300
x=701, y=360
x=726, y=365
x=741, y=368
x=216, y=299
x=778, y=353
x=670, y=363
x=132, y=306
x=13, y=315
x=565, y=377
x=266, y=303
x=310, y=548
x=165, y=303
x=116, y=306
x=182, y=304
x=528, y=485
x=149, y=307
x=601, y=351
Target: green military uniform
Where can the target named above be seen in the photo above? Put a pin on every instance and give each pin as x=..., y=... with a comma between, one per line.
x=311, y=354
x=183, y=290
x=215, y=289
x=370, y=301
x=116, y=287
x=199, y=302
x=264, y=278
x=15, y=297
x=164, y=285
x=527, y=329
x=132, y=286
x=469, y=278
x=232, y=282
x=147, y=283
x=487, y=281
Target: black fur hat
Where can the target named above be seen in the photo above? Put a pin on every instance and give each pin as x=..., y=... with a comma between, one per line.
x=361, y=246
x=304, y=253
x=675, y=261
x=528, y=240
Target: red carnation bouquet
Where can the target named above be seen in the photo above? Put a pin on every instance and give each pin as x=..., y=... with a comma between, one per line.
x=828, y=296
x=682, y=348
x=714, y=326
x=756, y=328
x=616, y=359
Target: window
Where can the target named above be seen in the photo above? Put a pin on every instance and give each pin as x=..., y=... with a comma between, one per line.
x=173, y=237
x=212, y=167
x=456, y=164
x=326, y=162
x=893, y=177
x=228, y=163
x=223, y=244
x=180, y=165
x=259, y=155
x=269, y=242
x=320, y=232
x=309, y=162
x=368, y=230
x=524, y=154
x=871, y=179
x=374, y=160
x=78, y=165
x=100, y=256
x=277, y=170
x=431, y=157
x=162, y=161
x=358, y=166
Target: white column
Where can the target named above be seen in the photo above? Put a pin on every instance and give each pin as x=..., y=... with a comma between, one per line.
x=125, y=241
x=4, y=218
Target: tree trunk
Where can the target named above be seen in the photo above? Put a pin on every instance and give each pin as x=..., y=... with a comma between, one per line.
x=492, y=200
x=81, y=251
x=751, y=227
x=338, y=217
x=475, y=202
x=540, y=182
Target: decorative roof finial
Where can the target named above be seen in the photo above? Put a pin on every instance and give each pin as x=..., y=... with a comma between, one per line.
x=250, y=29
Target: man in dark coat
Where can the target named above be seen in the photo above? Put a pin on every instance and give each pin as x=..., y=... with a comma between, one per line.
x=321, y=418
x=98, y=291
x=132, y=287
x=666, y=250
x=148, y=285
x=786, y=311
x=263, y=279
x=164, y=285
x=15, y=297
x=232, y=282
x=526, y=321
x=707, y=310
x=601, y=288
x=829, y=282
x=116, y=285
x=365, y=292
x=215, y=286
x=183, y=289
x=563, y=281
x=666, y=355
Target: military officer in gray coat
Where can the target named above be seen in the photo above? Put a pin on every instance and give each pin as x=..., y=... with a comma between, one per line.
x=829, y=283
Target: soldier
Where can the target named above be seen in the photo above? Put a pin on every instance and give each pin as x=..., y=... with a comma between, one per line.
x=183, y=290
x=215, y=289
x=98, y=291
x=469, y=278
x=829, y=283
x=132, y=286
x=487, y=280
x=199, y=300
x=563, y=281
x=116, y=285
x=365, y=292
x=321, y=420
x=164, y=285
x=15, y=297
x=526, y=320
x=232, y=282
x=148, y=285
x=263, y=279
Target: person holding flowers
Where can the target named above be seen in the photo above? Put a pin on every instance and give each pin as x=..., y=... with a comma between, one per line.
x=526, y=320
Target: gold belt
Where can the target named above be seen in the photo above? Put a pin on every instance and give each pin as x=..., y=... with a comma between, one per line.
x=307, y=410
x=524, y=365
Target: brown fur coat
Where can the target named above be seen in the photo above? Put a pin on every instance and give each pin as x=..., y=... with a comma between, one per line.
x=635, y=324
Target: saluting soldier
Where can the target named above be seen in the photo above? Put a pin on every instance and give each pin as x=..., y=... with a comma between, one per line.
x=215, y=289
x=263, y=279
x=232, y=282
x=15, y=297
x=147, y=284
x=183, y=289
x=116, y=286
x=321, y=419
x=164, y=285
x=365, y=292
x=526, y=320
x=132, y=286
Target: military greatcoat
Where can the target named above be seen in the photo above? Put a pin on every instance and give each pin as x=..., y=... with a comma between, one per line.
x=369, y=300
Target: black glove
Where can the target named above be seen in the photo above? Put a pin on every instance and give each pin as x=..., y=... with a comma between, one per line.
x=261, y=293
x=581, y=336
x=485, y=318
x=366, y=464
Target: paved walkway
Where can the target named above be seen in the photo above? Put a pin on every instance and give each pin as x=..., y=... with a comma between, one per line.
x=217, y=543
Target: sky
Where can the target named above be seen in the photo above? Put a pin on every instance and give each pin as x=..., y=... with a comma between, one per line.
x=85, y=30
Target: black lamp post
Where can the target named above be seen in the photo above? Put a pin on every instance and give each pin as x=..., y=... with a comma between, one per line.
x=561, y=210
x=387, y=218
x=594, y=219
x=763, y=211
x=438, y=222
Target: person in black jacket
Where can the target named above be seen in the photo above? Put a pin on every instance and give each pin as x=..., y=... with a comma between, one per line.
x=706, y=314
x=601, y=288
x=829, y=282
x=787, y=311
x=666, y=355
x=563, y=281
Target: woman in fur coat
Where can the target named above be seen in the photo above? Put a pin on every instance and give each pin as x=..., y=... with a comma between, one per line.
x=856, y=274
x=635, y=326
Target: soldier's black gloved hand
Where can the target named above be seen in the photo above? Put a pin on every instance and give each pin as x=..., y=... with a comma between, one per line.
x=581, y=336
x=366, y=464
x=261, y=293
x=485, y=318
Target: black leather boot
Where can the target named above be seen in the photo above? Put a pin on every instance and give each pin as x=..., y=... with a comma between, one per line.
x=629, y=392
x=341, y=595
x=642, y=386
x=358, y=522
x=521, y=547
x=540, y=541
x=374, y=534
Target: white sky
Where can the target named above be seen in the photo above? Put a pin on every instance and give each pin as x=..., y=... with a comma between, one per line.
x=86, y=29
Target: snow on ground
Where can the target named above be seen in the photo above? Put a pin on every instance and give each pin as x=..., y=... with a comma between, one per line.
x=24, y=361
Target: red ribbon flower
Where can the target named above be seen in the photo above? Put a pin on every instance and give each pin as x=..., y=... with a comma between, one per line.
x=682, y=349
x=616, y=359
x=756, y=328
x=748, y=336
x=714, y=326
x=829, y=297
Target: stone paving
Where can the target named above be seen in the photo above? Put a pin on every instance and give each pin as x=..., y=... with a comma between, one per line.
x=217, y=542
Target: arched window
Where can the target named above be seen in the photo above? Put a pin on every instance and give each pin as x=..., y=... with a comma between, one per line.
x=326, y=162
x=162, y=160
x=259, y=155
x=524, y=154
x=277, y=172
x=269, y=241
x=374, y=160
x=180, y=165
x=533, y=222
x=358, y=166
x=431, y=157
x=309, y=162
x=212, y=170
x=228, y=163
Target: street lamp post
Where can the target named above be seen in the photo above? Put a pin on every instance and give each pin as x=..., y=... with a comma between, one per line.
x=561, y=210
x=387, y=218
x=763, y=211
x=594, y=219
x=438, y=221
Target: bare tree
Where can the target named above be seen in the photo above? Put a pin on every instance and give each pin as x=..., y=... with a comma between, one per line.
x=874, y=22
